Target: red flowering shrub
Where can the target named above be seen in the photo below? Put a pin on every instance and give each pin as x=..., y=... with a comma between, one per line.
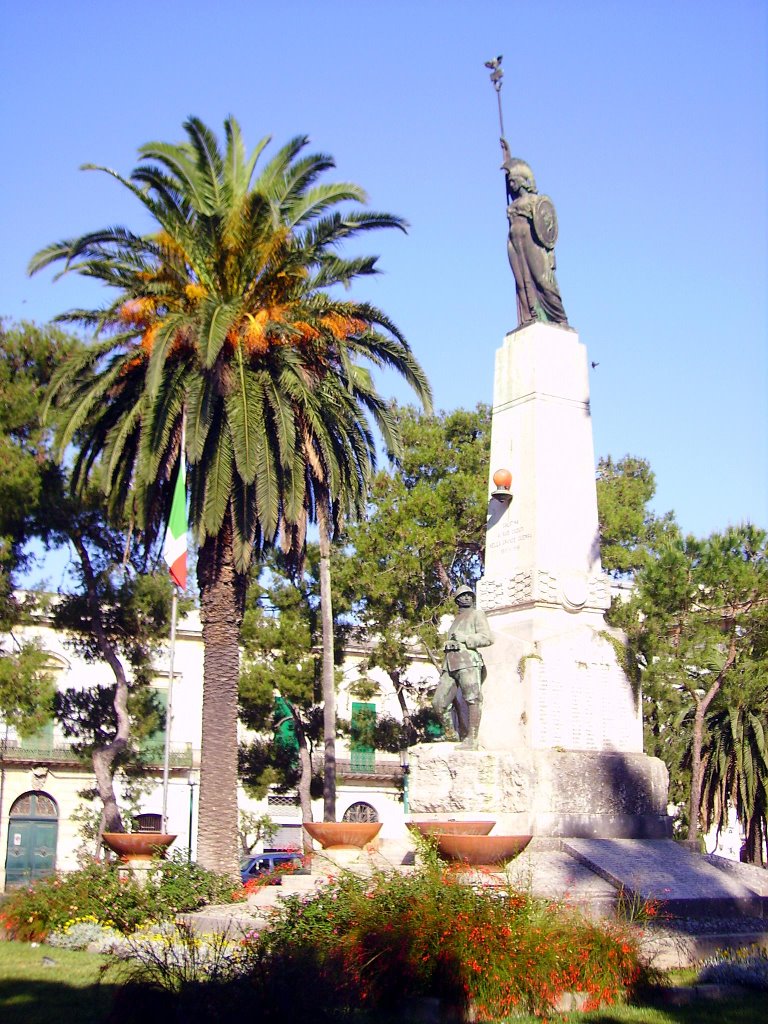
x=378, y=942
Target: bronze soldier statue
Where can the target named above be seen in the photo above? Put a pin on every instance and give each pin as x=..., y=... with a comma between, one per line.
x=463, y=669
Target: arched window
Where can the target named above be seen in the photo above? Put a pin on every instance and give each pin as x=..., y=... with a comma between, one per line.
x=360, y=811
x=34, y=805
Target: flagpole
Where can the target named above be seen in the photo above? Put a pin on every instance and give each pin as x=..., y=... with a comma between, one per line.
x=169, y=707
x=175, y=552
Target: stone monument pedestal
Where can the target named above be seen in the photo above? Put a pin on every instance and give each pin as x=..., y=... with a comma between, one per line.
x=561, y=738
x=559, y=793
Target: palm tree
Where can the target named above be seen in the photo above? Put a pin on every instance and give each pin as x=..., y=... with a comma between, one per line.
x=225, y=318
x=735, y=759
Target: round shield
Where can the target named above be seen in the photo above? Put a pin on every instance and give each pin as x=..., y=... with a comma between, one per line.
x=545, y=222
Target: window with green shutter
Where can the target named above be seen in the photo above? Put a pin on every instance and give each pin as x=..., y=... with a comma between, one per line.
x=362, y=748
x=153, y=746
x=40, y=741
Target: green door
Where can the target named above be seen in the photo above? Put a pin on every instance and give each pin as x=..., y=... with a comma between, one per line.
x=32, y=834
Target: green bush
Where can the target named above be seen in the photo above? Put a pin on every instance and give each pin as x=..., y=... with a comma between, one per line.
x=105, y=893
x=375, y=943
x=379, y=942
x=172, y=957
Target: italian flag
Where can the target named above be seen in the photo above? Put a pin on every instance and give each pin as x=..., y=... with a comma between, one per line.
x=175, y=547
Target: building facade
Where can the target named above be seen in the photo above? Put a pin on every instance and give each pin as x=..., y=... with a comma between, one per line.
x=44, y=814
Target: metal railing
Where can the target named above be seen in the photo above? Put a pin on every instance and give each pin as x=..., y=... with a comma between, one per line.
x=14, y=752
x=371, y=766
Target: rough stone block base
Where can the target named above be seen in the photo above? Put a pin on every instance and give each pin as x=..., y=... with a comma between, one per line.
x=606, y=794
x=543, y=793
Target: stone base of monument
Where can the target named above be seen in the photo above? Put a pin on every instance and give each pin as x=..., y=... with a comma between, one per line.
x=607, y=794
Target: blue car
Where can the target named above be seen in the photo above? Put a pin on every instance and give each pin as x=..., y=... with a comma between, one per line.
x=261, y=864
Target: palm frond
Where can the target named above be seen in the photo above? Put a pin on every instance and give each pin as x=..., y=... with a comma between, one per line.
x=201, y=406
x=245, y=415
x=237, y=170
x=268, y=489
x=226, y=312
x=209, y=162
x=216, y=320
x=179, y=161
x=273, y=172
x=215, y=472
x=245, y=522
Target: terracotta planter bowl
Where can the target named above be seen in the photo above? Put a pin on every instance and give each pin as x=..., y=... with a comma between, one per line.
x=451, y=828
x=334, y=835
x=138, y=845
x=484, y=850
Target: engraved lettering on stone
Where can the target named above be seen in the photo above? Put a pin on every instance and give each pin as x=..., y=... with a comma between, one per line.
x=582, y=706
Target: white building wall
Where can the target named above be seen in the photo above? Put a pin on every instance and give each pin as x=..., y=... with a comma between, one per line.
x=63, y=782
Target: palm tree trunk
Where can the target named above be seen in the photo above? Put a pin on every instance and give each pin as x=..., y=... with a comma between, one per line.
x=328, y=671
x=221, y=601
x=697, y=768
x=697, y=742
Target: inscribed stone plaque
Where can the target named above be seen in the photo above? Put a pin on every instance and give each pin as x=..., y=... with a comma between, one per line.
x=580, y=705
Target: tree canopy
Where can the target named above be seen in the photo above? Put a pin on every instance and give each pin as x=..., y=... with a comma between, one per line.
x=28, y=358
x=424, y=534
x=697, y=629
x=629, y=530
x=225, y=331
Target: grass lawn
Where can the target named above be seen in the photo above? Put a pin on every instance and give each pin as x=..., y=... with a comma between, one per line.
x=33, y=991
x=749, y=1008
x=752, y=1008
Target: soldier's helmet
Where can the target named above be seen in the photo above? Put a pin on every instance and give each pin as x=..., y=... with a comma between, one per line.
x=463, y=590
x=517, y=168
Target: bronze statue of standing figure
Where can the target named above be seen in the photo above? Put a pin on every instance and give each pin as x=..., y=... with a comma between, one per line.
x=531, y=245
x=532, y=234
x=463, y=670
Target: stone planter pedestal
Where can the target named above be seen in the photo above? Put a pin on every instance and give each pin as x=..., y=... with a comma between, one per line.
x=138, y=851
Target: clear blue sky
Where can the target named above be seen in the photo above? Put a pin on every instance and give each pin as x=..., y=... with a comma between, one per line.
x=645, y=122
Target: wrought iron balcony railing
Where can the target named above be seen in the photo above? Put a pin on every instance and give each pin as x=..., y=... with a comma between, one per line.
x=16, y=752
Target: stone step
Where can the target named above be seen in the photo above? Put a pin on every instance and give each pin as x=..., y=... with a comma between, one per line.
x=751, y=875
x=685, y=883
x=268, y=895
x=669, y=950
x=235, y=920
x=395, y=853
x=297, y=883
x=265, y=896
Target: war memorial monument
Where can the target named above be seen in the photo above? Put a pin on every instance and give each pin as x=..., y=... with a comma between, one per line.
x=557, y=749
x=543, y=740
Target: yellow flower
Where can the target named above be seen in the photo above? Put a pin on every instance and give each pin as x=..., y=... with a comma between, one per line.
x=136, y=311
x=195, y=291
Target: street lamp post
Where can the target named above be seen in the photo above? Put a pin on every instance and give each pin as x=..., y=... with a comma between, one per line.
x=406, y=769
x=191, y=783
